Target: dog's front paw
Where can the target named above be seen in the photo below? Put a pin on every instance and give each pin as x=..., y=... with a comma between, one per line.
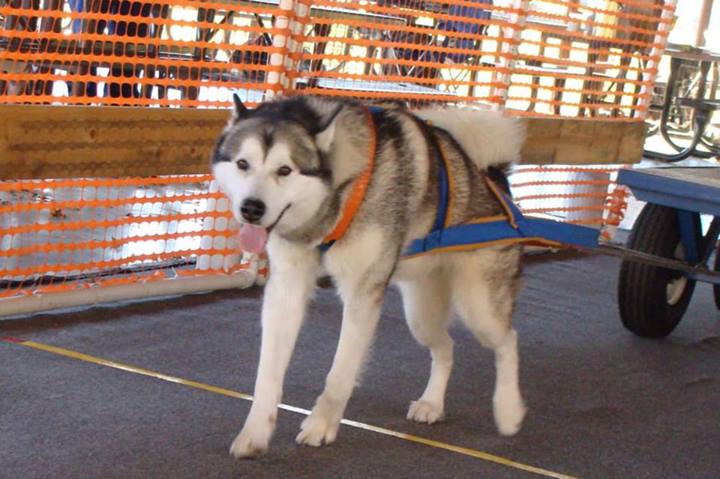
x=252, y=441
x=317, y=430
x=509, y=414
x=425, y=411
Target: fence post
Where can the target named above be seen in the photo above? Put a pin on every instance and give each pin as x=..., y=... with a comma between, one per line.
x=510, y=38
x=653, y=64
x=295, y=44
x=277, y=82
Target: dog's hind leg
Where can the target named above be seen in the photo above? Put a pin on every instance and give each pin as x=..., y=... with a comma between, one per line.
x=427, y=311
x=484, y=294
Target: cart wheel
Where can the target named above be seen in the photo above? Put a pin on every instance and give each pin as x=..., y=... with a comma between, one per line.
x=716, y=287
x=652, y=300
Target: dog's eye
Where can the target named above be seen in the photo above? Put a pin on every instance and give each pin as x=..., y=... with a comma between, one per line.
x=284, y=171
x=243, y=165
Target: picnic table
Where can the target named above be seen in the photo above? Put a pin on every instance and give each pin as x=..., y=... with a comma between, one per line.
x=702, y=108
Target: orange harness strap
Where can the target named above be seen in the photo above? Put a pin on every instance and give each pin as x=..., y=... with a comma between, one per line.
x=357, y=195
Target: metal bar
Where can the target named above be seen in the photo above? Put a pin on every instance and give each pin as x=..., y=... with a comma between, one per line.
x=704, y=278
x=695, y=272
x=675, y=64
x=709, y=242
x=700, y=122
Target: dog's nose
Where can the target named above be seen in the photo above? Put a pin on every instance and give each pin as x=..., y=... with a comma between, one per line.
x=252, y=210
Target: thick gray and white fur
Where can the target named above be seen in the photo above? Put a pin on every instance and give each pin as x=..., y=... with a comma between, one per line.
x=289, y=165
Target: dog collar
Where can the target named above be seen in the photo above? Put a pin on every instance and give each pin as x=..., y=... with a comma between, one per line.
x=359, y=188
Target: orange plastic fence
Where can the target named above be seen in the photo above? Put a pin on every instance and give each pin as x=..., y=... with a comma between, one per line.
x=70, y=233
x=580, y=195
x=570, y=58
x=552, y=57
x=58, y=235
x=541, y=57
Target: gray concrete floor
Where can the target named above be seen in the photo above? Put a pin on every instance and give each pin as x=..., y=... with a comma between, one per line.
x=603, y=403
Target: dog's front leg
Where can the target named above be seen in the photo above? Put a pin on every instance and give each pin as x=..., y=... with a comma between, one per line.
x=360, y=317
x=291, y=283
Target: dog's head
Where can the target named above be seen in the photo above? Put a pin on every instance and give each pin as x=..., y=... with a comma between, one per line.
x=271, y=163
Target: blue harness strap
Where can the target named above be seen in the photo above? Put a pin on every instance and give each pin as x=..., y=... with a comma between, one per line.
x=443, y=185
x=513, y=228
x=481, y=235
x=323, y=247
x=551, y=230
x=444, y=192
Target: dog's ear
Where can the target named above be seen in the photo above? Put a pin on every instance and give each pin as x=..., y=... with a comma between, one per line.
x=240, y=112
x=325, y=131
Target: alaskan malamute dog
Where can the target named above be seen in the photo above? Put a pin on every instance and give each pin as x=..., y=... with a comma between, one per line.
x=292, y=169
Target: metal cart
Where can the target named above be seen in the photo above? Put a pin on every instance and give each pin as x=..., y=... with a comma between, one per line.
x=667, y=252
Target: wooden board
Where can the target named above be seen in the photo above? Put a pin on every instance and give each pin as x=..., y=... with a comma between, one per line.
x=69, y=141
x=572, y=142
x=62, y=142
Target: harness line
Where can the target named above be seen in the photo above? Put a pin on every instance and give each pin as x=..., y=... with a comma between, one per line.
x=511, y=228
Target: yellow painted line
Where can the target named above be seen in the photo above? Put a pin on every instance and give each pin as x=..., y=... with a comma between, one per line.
x=236, y=394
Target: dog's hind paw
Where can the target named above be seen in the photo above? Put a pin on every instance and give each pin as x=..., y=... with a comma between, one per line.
x=250, y=443
x=317, y=430
x=424, y=411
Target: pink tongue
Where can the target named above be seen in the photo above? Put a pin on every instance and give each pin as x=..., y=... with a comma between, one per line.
x=252, y=238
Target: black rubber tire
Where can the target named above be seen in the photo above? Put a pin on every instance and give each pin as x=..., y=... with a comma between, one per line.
x=716, y=287
x=642, y=289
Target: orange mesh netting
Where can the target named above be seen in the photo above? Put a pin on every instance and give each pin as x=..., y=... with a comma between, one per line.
x=555, y=57
x=117, y=52
x=551, y=57
x=581, y=195
x=58, y=233
x=570, y=58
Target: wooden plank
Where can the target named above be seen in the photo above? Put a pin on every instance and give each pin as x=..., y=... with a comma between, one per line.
x=61, y=142
x=69, y=141
x=573, y=142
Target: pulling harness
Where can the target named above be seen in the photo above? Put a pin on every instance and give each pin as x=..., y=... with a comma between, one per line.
x=512, y=227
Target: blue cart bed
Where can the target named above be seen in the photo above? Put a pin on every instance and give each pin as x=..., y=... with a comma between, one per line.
x=691, y=189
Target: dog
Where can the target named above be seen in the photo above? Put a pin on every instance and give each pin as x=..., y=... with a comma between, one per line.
x=292, y=169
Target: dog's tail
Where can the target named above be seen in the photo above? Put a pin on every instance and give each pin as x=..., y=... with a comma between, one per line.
x=489, y=138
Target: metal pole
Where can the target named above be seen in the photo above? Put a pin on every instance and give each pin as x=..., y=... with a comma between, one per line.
x=703, y=23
